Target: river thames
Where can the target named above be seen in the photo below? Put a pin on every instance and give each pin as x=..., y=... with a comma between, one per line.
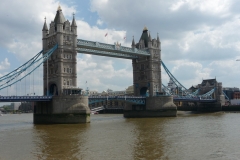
x=208, y=136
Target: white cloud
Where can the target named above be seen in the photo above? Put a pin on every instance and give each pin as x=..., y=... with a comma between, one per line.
x=4, y=64
x=218, y=7
x=22, y=28
x=99, y=22
x=190, y=73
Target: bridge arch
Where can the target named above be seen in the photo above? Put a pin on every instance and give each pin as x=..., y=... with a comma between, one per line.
x=53, y=89
x=143, y=91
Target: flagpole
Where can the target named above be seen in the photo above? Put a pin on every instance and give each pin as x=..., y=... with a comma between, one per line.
x=106, y=35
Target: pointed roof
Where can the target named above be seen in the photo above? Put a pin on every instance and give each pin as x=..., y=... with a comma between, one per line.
x=133, y=42
x=149, y=37
x=210, y=81
x=144, y=36
x=158, y=40
x=145, y=28
x=45, y=28
x=59, y=18
x=74, y=24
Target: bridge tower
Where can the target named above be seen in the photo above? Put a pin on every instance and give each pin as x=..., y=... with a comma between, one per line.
x=147, y=71
x=60, y=76
x=60, y=71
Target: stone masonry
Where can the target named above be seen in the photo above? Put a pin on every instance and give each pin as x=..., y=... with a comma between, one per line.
x=62, y=65
x=147, y=71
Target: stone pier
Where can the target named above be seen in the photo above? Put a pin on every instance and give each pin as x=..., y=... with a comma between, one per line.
x=159, y=106
x=65, y=109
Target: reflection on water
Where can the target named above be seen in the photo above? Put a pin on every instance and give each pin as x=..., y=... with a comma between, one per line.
x=149, y=141
x=188, y=136
x=59, y=141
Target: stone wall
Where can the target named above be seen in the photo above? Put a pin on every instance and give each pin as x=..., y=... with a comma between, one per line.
x=62, y=109
x=159, y=106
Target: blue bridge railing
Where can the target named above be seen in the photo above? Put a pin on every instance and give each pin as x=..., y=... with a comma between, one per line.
x=24, y=98
x=136, y=100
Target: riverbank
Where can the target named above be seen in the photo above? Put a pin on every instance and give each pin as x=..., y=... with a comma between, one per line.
x=231, y=108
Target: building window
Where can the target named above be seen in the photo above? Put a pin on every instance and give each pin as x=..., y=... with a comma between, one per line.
x=142, y=66
x=67, y=70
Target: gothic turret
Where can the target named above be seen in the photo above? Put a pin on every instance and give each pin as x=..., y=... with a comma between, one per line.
x=149, y=37
x=74, y=25
x=145, y=37
x=59, y=18
x=158, y=41
x=45, y=28
x=133, y=43
x=44, y=35
x=149, y=41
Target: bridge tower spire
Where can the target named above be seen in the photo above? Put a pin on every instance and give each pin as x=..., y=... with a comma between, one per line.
x=147, y=71
x=62, y=65
x=44, y=35
x=133, y=43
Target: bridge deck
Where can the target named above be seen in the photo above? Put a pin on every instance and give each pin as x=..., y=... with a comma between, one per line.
x=103, y=49
x=24, y=98
x=98, y=99
x=195, y=100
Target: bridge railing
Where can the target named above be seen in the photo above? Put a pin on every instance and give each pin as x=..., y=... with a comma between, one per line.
x=109, y=47
x=137, y=100
x=24, y=98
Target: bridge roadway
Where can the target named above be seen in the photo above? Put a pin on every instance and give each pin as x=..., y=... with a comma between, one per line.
x=132, y=99
x=197, y=99
x=95, y=99
x=24, y=98
x=116, y=50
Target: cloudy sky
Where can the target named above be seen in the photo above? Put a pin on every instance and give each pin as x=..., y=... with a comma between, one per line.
x=200, y=38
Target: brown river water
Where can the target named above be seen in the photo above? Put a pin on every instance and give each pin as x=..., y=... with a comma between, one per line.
x=190, y=136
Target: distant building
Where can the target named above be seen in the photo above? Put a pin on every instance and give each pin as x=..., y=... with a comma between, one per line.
x=235, y=101
x=229, y=91
x=236, y=95
x=112, y=103
x=209, y=84
x=26, y=106
x=89, y=92
x=14, y=106
x=129, y=91
x=193, y=88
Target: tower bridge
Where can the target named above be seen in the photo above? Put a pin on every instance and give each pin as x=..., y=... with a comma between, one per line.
x=60, y=47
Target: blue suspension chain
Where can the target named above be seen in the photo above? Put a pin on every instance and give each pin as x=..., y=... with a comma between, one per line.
x=33, y=81
x=16, y=87
x=25, y=86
